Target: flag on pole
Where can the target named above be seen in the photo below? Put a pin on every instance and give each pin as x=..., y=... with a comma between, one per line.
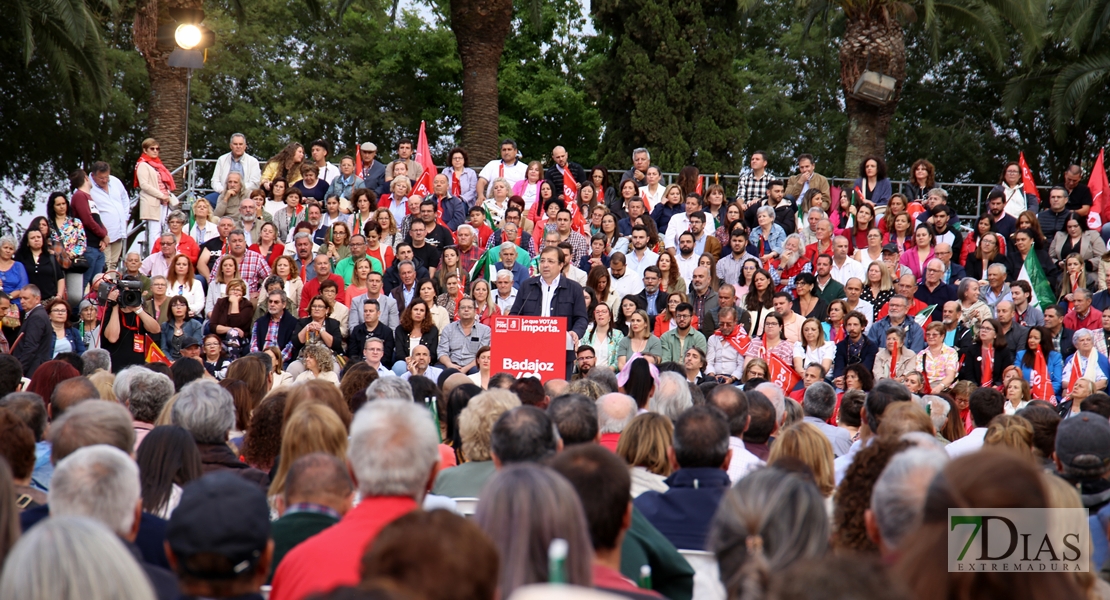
x=1027, y=184
x=701, y=186
x=1039, y=379
x=1100, y=189
x=925, y=316
x=423, y=186
x=154, y=353
x=781, y=374
x=1032, y=272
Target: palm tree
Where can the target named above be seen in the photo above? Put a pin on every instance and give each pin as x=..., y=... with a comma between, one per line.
x=66, y=35
x=873, y=40
x=480, y=27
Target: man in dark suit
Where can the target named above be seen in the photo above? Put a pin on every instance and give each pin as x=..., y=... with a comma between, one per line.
x=371, y=326
x=652, y=297
x=373, y=172
x=555, y=174
x=262, y=337
x=551, y=295
x=1061, y=336
x=35, y=344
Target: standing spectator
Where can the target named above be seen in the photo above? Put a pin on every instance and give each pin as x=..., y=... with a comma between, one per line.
x=156, y=188
x=67, y=238
x=35, y=343
x=84, y=209
x=507, y=167
x=373, y=171
x=115, y=210
x=43, y=271
x=237, y=161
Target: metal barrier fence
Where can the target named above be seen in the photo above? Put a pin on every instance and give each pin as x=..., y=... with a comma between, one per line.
x=966, y=198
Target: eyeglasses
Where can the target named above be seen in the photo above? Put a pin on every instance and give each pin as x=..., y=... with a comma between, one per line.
x=154, y=148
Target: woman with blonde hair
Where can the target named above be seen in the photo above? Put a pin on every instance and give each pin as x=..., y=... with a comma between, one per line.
x=878, y=288
x=754, y=368
x=644, y=445
x=805, y=443
x=285, y=164
x=312, y=427
x=286, y=268
x=104, y=381
x=1012, y=433
x=813, y=348
x=319, y=363
x=498, y=201
x=640, y=340
x=1074, y=278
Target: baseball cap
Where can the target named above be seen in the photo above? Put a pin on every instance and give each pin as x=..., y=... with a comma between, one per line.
x=189, y=341
x=369, y=147
x=891, y=247
x=84, y=304
x=1083, y=441
x=222, y=514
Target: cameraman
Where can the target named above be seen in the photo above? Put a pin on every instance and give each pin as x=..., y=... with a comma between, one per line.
x=124, y=331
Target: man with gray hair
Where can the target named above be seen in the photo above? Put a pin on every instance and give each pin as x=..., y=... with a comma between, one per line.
x=35, y=346
x=386, y=388
x=236, y=161
x=508, y=262
x=394, y=458
x=575, y=416
x=1081, y=316
x=898, y=498
x=144, y=393
x=996, y=289
x=158, y=263
x=614, y=412
x=96, y=359
x=206, y=411
x=775, y=394
x=506, y=285
x=818, y=404
x=102, y=483
x=672, y=397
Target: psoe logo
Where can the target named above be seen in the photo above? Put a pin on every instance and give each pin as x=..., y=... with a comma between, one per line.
x=1018, y=540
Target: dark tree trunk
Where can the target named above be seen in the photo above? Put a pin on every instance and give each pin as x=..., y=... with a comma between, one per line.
x=166, y=120
x=875, y=44
x=480, y=27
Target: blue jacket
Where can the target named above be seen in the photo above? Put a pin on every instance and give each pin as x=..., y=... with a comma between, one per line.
x=75, y=340
x=683, y=513
x=520, y=273
x=192, y=328
x=662, y=214
x=454, y=210
x=373, y=177
x=1055, y=371
x=915, y=335
x=880, y=195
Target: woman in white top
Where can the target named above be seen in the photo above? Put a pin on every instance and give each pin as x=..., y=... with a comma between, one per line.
x=652, y=193
x=874, y=250
x=318, y=364
x=813, y=348
x=226, y=269
x=481, y=378
x=427, y=292
x=202, y=229
x=182, y=281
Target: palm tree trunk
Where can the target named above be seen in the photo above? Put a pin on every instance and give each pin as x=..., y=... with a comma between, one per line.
x=166, y=120
x=872, y=43
x=480, y=27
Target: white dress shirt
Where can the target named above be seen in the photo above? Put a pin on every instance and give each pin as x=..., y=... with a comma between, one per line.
x=114, y=206
x=742, y=462
x=686, y=266
x=852, y=268
x=504, y=304
x=638, y=264
x=548, y=290
x=630, y=284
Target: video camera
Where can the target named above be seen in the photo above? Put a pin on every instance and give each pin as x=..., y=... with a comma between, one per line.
x=130, y=292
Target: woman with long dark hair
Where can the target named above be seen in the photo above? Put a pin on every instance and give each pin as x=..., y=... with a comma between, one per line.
x=760, y=300
x=168, y=460
x=285, y=164
x=985, y=361
x=1039, y=341
x=922, y=179
x=42, y=270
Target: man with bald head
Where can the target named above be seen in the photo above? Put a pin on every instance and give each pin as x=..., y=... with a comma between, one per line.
x=451, y=208
x=556, y=173
x=905, y=285
x=933, y=289
x=614, y=412
x=956, y=334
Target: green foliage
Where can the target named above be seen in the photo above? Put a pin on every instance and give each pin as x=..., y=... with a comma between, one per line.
x=282, y=76
x=666, y=81
x=542, y=96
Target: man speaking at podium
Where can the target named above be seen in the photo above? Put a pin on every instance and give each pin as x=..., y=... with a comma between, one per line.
x=552, y=295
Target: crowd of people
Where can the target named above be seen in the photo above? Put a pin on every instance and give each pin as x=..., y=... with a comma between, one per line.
x=761, y=391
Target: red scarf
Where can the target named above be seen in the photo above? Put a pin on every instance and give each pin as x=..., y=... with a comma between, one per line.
x=738, y=340
x=456, y=185
x=836, y=332
x=894, y=362
x=1076, y=372
x=163, y=173
x=987, y=376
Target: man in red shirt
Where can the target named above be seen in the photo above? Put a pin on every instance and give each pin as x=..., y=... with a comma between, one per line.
x=614, y=413
x=1082, y=315
x=603, y=484
x=322, y=264
x=394, y=458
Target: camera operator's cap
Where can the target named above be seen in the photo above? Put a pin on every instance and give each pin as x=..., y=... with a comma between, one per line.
x=189, y=341
x=891, y=247
x=369, y=147
x=1083, y=441
x=221, y=514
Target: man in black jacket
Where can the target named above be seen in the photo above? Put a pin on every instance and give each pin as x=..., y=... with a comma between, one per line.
x=35, y=344
x=262, y=337
x=551, y=295
x=555, y=173
x=371, y=326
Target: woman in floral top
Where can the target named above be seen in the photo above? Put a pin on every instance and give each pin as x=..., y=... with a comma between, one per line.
x=938, y=362
x=65, y=230
x=603, y=337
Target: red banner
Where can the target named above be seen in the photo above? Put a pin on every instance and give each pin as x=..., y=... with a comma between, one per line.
x=1027, y=184
x=1100, y=188
x=781, y=374
x=529, y=347
x=1039, y=380
x=423, y=186
x=570, y=186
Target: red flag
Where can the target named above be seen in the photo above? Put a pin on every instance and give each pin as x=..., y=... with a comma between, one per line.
x=701, y=183
x=781, y=374
x=423, y=186
x=154, y=353
x=358, y=161
x=570, y=187
x=1027, y=183
x=1100, y=189
x=1039, y=380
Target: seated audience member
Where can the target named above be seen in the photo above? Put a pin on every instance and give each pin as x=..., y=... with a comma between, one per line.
x=318, y=492
x=603, y=484
x=898, y=497
x=1082, y=457
x=30, y=409
x=734, y=404
x=819, y=404
x=207, y=411
x=102, y=483
x=784, y=512
x=523, y=434
x=614, y=414
x=575, y=417
x=393, y=455
x=646, y=446
x=168, y=460
x=523, y=508
x=985, y=404
x=434, y=555
x=17, y=447
x=763, y=424
x=218, y=539
x=475, y=423
x=701, y=453
x=144, y=393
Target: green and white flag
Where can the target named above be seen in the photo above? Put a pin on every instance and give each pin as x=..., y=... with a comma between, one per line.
x=1033, y=272
x=922, y=318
